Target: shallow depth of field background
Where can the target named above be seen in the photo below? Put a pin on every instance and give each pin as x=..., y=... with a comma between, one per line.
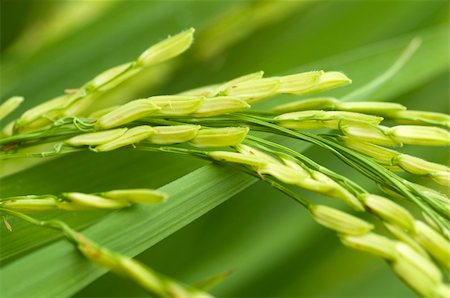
x=270, y=243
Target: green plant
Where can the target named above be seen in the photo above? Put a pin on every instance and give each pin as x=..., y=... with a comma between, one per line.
x=217, y=116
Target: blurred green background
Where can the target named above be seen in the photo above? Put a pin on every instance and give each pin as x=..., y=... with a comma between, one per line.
x=272, y=246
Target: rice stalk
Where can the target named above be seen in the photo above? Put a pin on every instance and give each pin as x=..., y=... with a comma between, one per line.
x=151, y=281
x=204, y=119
